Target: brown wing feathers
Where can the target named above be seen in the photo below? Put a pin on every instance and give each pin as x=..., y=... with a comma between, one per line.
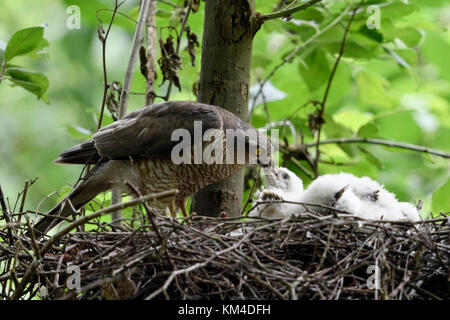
x=84, y=153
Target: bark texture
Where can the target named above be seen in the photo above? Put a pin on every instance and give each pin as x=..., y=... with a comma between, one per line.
x=224, y=81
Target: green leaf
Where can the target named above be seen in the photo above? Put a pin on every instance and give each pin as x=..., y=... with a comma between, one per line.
x=309, y=14
x=317, y=69
x=435, y=47
x=35, y=82
x=258, y=120
x=399, y=126
x=397, y=10
x=352, y=118
x=441, y=198
x=371, y=158
x=39, y=51
x=78, y=132
x=163, y=14
x=23, y=42
x=371, y=33
x=410, y=36
x=334, y=129
x=372, y=89
x=356, y=46
x=368, y=130
x=404, y=57
x=259, y=60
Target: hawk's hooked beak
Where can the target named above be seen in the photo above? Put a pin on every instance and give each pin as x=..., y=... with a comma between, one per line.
x=272, y=175
x=269, y=164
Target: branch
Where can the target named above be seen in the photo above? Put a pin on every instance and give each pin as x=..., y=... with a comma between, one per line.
x=327, y=90
x=177, y=49
x=198, y=265
x=116, y=196
x=137, y=40
x=114, y=207
x=6, y=216
x=151, y=54
x=105, y=75
x=2, y=70
x=33, y=266
x=386, y=143
x=286, y=12
x=294, y=52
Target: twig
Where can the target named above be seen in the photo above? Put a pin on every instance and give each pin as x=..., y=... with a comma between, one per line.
x=151, y=54
x=287, y=12
x=151, y=216
x=24, y=196
x=198, y=265
x=330, y=81
x=177, y=50
x=288, y=58
x=116, y=196
x=6, y=216
x=32, y=268
x=250, y=194
x=103, y=39
x=386, y=143
x=114, y=207
x=137, y=40
x=119, y=13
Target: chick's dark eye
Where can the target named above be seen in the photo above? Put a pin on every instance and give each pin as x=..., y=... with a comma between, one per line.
x=285, y=176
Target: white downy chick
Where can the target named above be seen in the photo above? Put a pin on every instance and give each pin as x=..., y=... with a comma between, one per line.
x=379, y=204
x=348, y=202
x=333, y=190
x=362, y=197
x=409, y=211
x=284, y=185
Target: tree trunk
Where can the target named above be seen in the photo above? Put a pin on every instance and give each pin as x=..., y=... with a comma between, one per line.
x=224, y=81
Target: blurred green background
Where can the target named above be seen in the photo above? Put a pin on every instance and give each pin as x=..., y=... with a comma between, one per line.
x=396, y=88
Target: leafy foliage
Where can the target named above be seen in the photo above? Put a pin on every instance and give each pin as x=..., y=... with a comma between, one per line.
x=31, y=42
x=392, y=83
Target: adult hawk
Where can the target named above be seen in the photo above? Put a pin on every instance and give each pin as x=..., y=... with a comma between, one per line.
x=138, y=149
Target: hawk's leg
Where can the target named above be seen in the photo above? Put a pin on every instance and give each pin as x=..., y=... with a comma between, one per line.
x=172, y=208
x=183, y=209
x=182, y=204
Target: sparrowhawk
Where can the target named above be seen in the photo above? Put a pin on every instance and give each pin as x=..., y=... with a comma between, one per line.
x=138, y=149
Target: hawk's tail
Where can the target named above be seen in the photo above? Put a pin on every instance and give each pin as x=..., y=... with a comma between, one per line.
x=80, y=196
x=84, y=153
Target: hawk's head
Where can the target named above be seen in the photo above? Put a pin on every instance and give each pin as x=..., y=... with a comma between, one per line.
x=253, y=148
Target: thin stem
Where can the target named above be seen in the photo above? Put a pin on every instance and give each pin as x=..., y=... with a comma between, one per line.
x=250, y=195
x=151, y=54
x=105, y=75
x=177, y=50
x=33, y=266
x=116, y=195
x=111, y=208
x=137, y=40
x=327, y=90
x=294, y=52
x=386, y=143
x=6, y=216
x=2, y=70
x=287, y=12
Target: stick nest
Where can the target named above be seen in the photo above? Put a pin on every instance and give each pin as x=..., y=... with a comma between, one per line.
x=307, y=257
